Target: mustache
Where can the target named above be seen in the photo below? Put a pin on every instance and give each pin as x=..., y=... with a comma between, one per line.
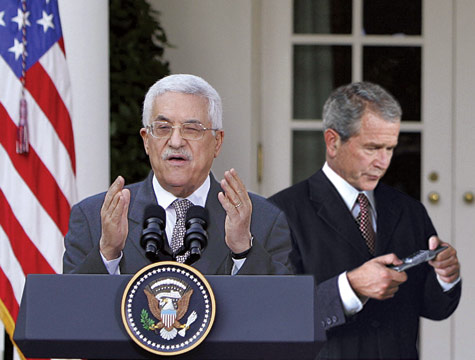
x=171, y=153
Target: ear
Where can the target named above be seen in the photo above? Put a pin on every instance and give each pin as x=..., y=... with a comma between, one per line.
x=219, y=142
x=143, y=133
x=332, y=141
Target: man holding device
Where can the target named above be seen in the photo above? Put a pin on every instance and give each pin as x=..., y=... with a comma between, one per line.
x=348, y=230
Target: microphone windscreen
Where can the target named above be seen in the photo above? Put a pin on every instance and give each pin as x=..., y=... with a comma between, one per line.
x=197, y=212
x=154, y=210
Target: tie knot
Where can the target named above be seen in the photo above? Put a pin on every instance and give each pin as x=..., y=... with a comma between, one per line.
x=181, y=207
x=363, y=201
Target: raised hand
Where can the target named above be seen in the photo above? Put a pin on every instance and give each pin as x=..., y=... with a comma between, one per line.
x=114, y=219
x=237, y=204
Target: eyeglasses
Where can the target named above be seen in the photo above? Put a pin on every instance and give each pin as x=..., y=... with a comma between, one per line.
x=188, y=131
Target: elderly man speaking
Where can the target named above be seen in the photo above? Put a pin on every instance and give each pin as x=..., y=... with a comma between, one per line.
x=182, y=135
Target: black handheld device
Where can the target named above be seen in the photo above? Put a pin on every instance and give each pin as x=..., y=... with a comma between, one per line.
x=417, y=258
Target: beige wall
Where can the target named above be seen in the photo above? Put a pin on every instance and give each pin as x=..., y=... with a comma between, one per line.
x=85, y=27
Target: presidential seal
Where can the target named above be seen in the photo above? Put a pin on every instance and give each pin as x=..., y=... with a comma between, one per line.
x=168, y=308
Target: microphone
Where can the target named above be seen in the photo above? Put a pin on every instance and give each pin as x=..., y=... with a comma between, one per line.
x=196, y=236
x=153, y=237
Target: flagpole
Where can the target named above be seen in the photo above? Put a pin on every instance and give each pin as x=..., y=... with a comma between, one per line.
x=7, y=347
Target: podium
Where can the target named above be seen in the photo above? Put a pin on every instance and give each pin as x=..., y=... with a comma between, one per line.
x=79, y=316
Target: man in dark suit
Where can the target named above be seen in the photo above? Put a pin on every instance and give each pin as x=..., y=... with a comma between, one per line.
x=365, y=309
x=182, y=134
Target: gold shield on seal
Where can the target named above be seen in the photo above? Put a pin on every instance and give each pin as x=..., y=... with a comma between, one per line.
x=168, y=308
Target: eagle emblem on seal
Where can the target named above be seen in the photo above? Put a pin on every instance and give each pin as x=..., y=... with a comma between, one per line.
x=168, y=301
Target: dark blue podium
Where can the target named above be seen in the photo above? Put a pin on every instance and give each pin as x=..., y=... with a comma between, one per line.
x=78, y=316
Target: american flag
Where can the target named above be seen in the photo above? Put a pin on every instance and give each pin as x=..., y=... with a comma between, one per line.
x=37, y=159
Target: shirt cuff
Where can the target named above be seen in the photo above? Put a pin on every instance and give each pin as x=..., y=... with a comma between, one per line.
x=445, y=285
x=351, y=302
x=112, y=266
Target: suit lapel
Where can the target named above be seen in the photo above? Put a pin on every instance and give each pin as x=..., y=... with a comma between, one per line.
x=330, y=208
x=389, y=214
x=135, y=258
x=216, y=252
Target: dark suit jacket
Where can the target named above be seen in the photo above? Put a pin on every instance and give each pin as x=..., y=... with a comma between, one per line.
x=326, y=242
x=269, y=254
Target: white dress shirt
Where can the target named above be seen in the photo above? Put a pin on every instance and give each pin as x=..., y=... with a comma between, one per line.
x=165, y=200
x=351, y=302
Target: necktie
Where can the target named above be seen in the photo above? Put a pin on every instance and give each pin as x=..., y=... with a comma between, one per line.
x=364, y=222
x=181, y=207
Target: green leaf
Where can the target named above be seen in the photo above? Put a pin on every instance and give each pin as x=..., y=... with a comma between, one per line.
x=146, y=321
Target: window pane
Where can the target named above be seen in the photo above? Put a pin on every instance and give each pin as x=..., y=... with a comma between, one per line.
x=317, y=71
x=389, y=17
x=322, y=16
x=308, y=154
x=397, y=69
x=404, y=173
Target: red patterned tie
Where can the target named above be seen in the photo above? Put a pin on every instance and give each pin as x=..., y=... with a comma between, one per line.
x=365, y=223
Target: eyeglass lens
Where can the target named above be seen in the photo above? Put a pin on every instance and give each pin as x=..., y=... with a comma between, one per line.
x=189, y=131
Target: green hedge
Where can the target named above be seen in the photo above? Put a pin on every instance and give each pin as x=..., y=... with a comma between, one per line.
x=136, y=47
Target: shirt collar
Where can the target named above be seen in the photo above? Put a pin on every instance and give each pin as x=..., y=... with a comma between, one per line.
x=346, y=191
x=165, y=198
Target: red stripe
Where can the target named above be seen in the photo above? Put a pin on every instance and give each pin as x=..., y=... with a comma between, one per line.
x=42, y=88
x=7, y=295
x=35, y=174
x=61, y=45
x=27, y=254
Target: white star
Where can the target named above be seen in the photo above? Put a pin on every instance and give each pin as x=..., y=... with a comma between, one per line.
x=20, y=18
x=46, y=21
x=17, y=49
x=1, y=18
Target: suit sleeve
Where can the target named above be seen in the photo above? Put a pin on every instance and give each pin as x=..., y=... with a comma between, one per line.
x=329, y=311
x=271, y=248
x=437, y=304
x=329, y=308
x=81, y=243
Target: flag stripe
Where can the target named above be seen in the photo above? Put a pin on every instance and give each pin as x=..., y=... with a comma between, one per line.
x=33, y=171
x=43, y=138
x=35, y=221
x=37, y=187
x=13, y=273
x=40, y=86
x=6, y=311
x=24, y=250
x=8, y=305
x=61, y=45
x=54, y=63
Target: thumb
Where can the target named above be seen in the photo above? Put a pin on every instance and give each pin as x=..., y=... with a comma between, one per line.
x=433, y=242
x=388, y=259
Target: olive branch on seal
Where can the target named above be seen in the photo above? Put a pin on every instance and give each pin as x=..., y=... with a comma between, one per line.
x=147, y=323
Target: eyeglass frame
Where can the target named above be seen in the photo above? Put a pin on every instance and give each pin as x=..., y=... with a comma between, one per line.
x=202, y=130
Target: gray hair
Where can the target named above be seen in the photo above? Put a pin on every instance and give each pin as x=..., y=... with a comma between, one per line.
x=346, y=106
x=185, y=84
